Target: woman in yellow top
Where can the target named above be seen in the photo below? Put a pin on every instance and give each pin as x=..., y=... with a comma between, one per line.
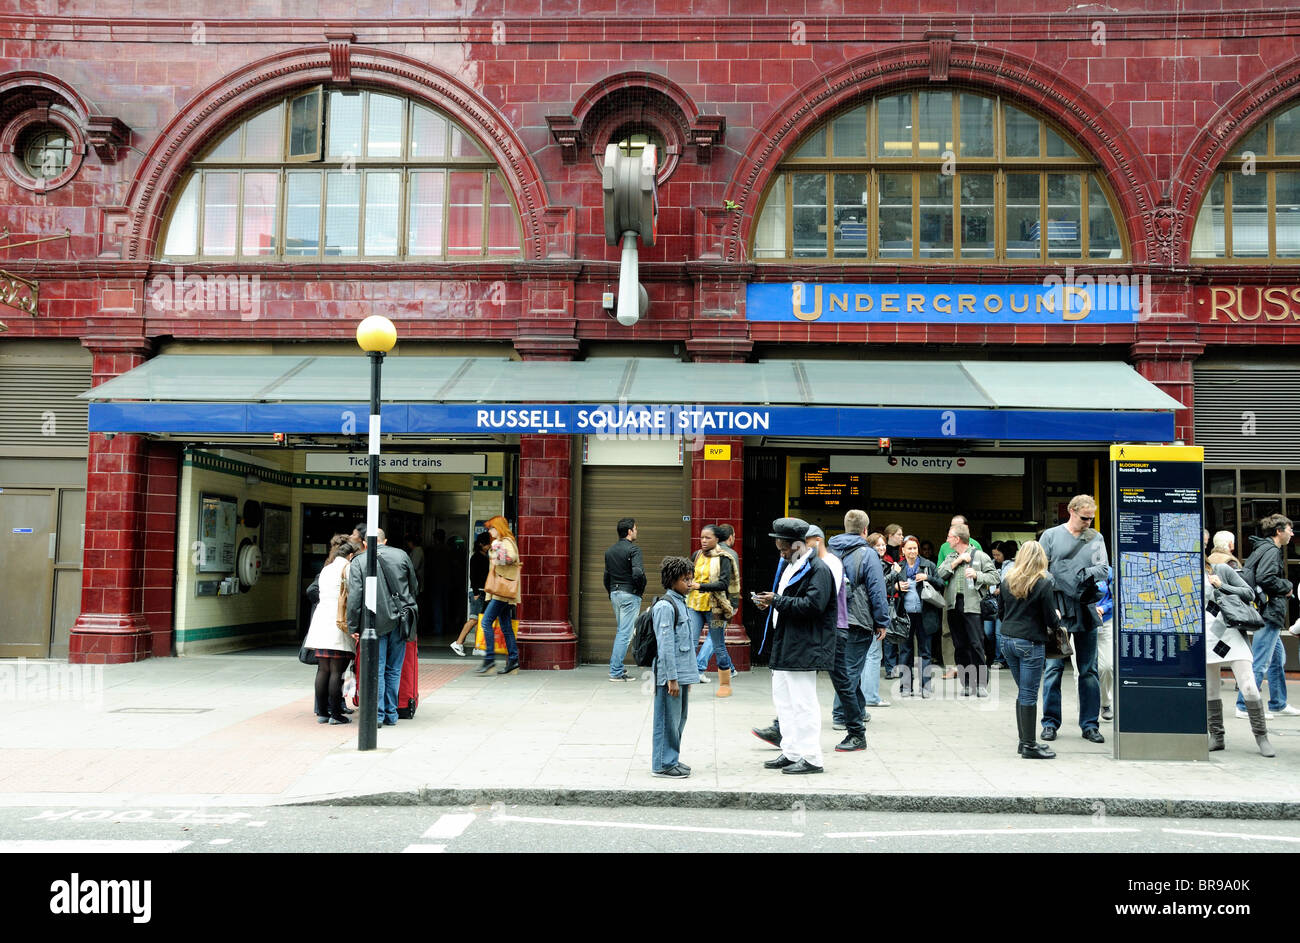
x=502, y=592
x=708, y=593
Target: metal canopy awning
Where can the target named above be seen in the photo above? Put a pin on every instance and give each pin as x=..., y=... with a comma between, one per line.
x=182, y=394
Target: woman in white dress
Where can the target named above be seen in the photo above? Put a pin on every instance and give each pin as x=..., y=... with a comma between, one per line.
x=1225, y=643
x=328, y=633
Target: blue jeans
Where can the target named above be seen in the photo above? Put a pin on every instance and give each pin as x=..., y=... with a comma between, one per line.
x=993, y=630
x=1264, y=648
x=1085, y=655
x=1277, y=677
x=851, y=647
x=669, y=722
x=871, y=671
x=500, y=612
x=919, y=642
x=626, y=608
x=716, y=642
x=890, y=656
x=392, y=652
x=1025, y=659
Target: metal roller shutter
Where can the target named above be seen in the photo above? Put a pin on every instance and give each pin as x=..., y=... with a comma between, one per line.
x=39, y=408
x=1245, y=415
x=657, y=498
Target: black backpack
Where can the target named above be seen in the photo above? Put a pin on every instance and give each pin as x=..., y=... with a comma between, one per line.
x=645, y=648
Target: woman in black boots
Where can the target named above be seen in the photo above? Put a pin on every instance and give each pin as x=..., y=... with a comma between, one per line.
x=1028, y=611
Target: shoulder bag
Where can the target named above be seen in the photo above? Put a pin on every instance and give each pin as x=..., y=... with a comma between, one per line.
x=404, y=604
x=1238, y=613
x=930, y=595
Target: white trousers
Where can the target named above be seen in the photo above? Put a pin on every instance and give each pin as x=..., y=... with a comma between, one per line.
x=795, y=695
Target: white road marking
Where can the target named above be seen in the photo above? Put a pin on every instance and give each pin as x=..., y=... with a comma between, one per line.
x=652, y=828
x=90, y=846
x=946, y=832
x=424, y=849
x=450, y=826
x=255, y=824
x=1192, y=831
x=221, y=841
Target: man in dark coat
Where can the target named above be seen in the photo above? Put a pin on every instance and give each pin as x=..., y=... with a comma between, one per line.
x=801, y=630
x=1266, y=569
x=390, y=600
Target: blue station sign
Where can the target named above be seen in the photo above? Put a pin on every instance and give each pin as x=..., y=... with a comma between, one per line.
x=633, y=420
x=1073, y=299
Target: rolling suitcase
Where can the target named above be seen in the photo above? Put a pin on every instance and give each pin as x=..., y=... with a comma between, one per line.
x=408, y=688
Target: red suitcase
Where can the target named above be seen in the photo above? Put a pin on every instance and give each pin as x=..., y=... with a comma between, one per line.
x=408, y=688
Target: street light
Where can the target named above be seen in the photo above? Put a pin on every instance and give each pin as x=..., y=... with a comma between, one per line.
x=376, y=336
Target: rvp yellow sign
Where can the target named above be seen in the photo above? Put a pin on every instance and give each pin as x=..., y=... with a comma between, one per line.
x=717, y=453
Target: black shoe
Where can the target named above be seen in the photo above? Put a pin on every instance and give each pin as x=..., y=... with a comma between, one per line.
x=1093, y=734
x=673, y=772
x=510, y=668
x=390, y=723
x=1036, y=751
x=866, y=717
x=851, y=744
x=340, y=719
x=685, y=767
x=803, y=766
x=770, y=735
x=348, y=710
x=779, y=763
x=485, y=668
x=322, y=718
x=1049, y=733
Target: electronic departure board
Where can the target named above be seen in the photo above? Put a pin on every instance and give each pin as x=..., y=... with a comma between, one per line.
x=822, y=489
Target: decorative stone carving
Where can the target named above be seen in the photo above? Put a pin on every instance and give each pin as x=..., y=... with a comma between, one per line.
x=341, y=56
x=106, y=134
x=940, y=52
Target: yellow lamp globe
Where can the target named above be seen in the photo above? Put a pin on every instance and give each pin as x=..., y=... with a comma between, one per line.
x=376, y=333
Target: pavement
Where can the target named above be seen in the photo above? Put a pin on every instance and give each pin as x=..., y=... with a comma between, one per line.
x=238, y=729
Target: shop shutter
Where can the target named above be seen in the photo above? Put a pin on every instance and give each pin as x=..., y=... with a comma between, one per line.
x=657, y=498
x=1246, y=415
x=39, y=408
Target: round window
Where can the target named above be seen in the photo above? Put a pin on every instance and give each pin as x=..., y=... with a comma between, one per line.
x=46, y=152
x=632, y=141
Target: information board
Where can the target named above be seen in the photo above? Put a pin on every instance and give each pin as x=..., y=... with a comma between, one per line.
x=1159, y=616
x=275, y=539
x=218, y=517
x=820, y=488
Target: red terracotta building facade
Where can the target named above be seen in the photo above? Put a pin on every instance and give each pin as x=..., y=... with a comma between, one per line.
x=439, y=163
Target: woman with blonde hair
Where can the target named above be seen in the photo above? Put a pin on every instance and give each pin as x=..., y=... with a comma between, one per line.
x=1227, y=605
x=502, y=593
x=1028, y=612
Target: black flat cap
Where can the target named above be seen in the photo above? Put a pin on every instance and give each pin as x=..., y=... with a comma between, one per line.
x=789, y=528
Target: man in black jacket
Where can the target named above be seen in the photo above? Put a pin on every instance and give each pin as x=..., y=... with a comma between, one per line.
x=801, y=626
x=1266, y=570
x=625, y=582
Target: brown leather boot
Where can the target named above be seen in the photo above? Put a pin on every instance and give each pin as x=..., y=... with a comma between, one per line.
x=1255, y=709
x=724, y=683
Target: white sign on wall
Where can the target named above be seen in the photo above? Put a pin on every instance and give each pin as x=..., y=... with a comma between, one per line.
x=419, y=463
x=925, y=465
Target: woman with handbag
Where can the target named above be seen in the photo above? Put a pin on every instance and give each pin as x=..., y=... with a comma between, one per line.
x=328, y=634
x=501, y=590
x=1029, y=622
x=916, y=577
x=1229, y=615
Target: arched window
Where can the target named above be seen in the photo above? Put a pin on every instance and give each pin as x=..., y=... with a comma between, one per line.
x=331, y=174
x=1251, y=211
x=949, y=176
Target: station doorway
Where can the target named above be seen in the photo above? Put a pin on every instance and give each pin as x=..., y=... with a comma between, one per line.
x=1006, y=494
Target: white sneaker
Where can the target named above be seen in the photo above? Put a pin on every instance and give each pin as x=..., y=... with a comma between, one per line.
x=1290, y=711
x=458, y=648
x=704, y=678
x=1295, y=627
x=1268, y=715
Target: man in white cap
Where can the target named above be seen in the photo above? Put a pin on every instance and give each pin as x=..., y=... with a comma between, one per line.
x=801, y=627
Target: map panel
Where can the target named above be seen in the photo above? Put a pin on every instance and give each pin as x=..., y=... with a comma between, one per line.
x=1180, y=532
x=1160, y=591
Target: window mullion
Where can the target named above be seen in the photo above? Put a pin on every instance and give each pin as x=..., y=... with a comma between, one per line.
x=789, y=217
x=484, y=211
x=956, y=213
x=1042, y=210
x=916, y=208
x=873, y=215
x=1085, y=215
x=1227, y=215
x=281, y=216
x=202, y=212
x=1270, y=195
x=239, y=214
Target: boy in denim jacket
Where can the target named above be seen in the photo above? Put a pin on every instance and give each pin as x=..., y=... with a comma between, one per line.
x=674, y=668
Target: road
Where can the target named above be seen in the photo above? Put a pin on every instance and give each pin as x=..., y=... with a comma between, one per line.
x=507, y=828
